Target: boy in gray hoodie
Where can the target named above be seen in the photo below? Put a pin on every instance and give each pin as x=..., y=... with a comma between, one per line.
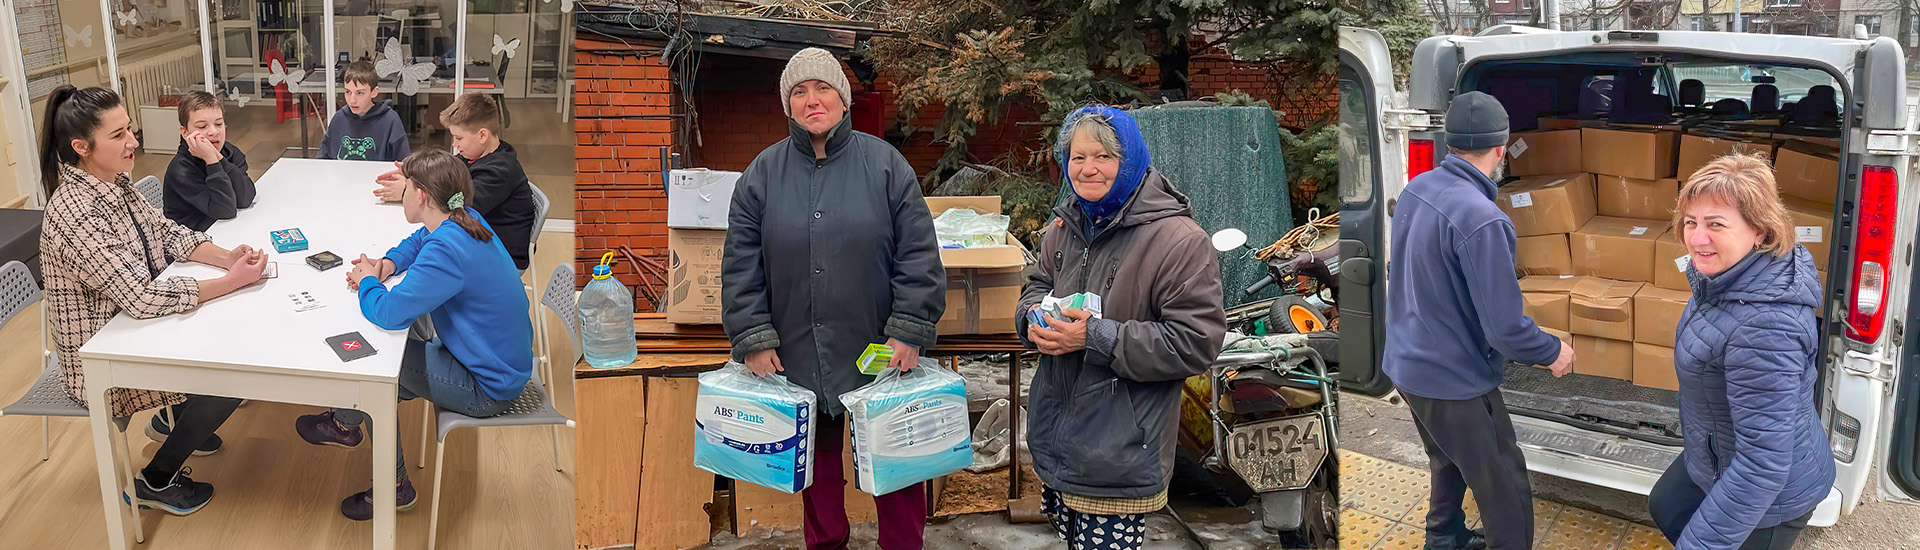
x=363, y=130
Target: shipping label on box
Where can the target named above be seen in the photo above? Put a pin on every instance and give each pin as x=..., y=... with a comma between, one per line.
x=1616, y=248
x=1602, y=308
x=1812, y=227
x=1603, y=357
x=1548, y=310
x=693, y=275
x=1544, y=153
x=1670, y=262
x=1813, y=177
x=1547, y=204
x=1638, y=155
x=1637, y=199
x=1697, y=151
x=1653, y=367
x=1543, y=255
x=700, y=198
x=1656, y=315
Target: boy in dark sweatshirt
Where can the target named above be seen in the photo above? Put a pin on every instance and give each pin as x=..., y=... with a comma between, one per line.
x=364, y=130
x=207, y=180
x=501, y=192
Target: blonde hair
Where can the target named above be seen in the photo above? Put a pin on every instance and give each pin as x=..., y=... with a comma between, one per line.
x=1746, y=183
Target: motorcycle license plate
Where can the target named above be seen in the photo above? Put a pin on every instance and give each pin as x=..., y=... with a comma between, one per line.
x=1278, y=454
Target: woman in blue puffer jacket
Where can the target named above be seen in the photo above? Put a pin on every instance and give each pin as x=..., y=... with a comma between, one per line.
x=1756, y=461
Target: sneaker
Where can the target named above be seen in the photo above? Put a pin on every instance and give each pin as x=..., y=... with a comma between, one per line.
x=183, y=496
x=322, y=429
x=162, y=426
x=359, y=507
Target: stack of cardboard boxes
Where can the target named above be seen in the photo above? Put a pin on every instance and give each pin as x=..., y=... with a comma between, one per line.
x=1593, y=209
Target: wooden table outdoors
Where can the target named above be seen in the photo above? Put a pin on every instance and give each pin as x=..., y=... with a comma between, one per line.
x=635, y=482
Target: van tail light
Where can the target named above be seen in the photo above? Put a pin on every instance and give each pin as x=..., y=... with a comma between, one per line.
x=1419, y=157
x=1873, y=253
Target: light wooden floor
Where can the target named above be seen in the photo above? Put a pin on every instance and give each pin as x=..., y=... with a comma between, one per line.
x=542, y=142
x=274, y=491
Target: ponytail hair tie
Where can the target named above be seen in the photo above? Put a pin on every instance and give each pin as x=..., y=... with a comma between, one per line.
x=457, y=201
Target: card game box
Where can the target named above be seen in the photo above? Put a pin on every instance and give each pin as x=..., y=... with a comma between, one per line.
x=289, y=240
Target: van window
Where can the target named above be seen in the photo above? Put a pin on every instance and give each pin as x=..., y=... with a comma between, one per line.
x=1356, y=129
x=1736, y=81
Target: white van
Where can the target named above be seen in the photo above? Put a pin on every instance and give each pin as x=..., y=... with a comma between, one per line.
x=1618, y=435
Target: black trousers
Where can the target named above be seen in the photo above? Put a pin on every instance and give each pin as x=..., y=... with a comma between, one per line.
x=193, y=421
x=1675, y=497
x=1470, y=445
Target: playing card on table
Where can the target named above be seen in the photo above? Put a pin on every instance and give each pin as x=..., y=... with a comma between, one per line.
x=304, y=301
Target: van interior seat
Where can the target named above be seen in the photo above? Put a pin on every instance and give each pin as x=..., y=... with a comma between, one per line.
x=1818, y=107
x=1766, y=99
x=1646, y=108
x=1693, y=93
x=1730, y=107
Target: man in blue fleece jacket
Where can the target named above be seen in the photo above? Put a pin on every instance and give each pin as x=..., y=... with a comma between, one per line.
x=1453, y=322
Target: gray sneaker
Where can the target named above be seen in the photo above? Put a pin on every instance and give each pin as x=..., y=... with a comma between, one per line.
x=182, y=496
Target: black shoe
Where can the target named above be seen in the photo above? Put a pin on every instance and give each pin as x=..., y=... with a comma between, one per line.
x=359, y=507
x=162, y=426
x=183, y=496
x=1476, y=540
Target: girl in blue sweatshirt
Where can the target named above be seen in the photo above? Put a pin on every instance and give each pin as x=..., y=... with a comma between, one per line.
x=470, y=349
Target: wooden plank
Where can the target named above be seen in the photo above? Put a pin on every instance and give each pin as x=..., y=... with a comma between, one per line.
x=756, y=506
x=674, y=494
x=656, y=365
x=610, y=429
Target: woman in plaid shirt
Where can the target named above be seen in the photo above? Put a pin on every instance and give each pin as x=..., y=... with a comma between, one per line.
x=102, y=250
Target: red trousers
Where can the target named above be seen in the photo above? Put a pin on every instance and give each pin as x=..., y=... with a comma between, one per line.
x=903, y=513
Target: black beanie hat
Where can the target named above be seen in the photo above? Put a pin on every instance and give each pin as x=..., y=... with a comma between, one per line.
x=1476, y=121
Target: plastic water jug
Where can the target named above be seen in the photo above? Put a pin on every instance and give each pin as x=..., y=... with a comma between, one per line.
x=606, y=319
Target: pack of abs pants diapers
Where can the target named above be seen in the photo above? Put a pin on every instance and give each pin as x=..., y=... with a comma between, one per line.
x=755, y=429
x=909, y=427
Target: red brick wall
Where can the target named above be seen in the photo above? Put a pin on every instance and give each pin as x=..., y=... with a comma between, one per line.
x=622, y=115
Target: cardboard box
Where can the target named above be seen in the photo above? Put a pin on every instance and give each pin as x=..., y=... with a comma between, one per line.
x=983, y=284
x=1602, y=308
x=1602, y=357
x=1656, y=314
x=1813, y=177
x=1556, y=123
x=1697, y=151
x=1638, y=155
x=1564, y=336
x=1670, y=263
x=1548, y=204
x=1616, y=248
x=1543, y=255
x=1638, y=199
x=1561, y=284
x=693, y=275
x=1812, y=227
x=700, y=198
x=1652, y=367
x=1543, y=153
x=1547, y=309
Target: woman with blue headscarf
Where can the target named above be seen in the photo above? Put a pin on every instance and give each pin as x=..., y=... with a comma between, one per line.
x=1105, y=402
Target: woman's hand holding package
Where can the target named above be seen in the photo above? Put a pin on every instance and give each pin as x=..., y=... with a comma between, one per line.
x=905, y=356
x=1061, y=338
x=765, y=362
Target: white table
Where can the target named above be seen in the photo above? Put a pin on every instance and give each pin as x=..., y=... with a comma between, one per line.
x=251, y=344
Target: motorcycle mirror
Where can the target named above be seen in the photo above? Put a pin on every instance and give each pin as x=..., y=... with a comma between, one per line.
x=1229, y=239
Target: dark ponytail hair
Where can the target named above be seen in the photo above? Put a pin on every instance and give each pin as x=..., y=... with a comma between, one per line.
x=440, y=175
x=71, y=114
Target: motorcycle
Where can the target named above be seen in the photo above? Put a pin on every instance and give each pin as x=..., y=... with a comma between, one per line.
x=1305, y=263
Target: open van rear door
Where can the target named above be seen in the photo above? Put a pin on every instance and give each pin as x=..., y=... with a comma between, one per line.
x=1370, y=158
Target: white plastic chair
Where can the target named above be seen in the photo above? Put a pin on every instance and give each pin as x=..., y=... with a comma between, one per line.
x=149, y=189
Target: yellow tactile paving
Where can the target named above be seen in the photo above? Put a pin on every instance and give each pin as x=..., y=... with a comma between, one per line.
x=1384, y=506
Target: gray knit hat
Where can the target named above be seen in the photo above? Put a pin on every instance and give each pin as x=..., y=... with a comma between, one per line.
x=814, y=64
x=1476, y=121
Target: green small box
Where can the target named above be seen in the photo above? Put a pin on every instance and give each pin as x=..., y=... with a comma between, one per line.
x=875, y=359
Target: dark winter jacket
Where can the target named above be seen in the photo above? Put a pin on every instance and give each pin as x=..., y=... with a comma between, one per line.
x=504, y=198
x=1453, y=305
x=1103, y=422
x=1745, y=361
x=825, y=256
x=376, y=135
x=198, y=194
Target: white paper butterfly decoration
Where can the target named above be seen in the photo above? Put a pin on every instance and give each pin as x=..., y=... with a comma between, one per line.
x=278, y=74
x=565, y=5
x=128, y=18
x=411, y=75
x=509, y=47
x=237, y=97
x=84, y=36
